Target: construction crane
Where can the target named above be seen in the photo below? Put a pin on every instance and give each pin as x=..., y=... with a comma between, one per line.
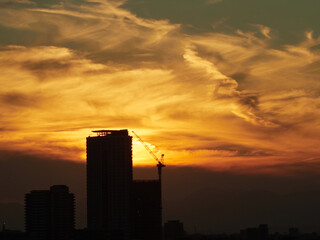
x=160, y=161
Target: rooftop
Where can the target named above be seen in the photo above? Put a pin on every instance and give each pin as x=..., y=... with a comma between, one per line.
x=101, y=133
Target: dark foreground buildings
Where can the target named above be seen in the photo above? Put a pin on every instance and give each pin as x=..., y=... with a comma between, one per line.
x=49, y=214
x=147, y=219
x=118, y=207
x=173, y=230
x=260, y=233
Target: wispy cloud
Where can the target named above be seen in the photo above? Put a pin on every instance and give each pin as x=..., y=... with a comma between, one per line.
x=213, y=1
x=11, y=3
x=95, y=65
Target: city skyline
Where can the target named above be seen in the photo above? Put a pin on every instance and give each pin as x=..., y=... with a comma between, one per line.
x=206, y=206
x=227, y=90
x=117, y=207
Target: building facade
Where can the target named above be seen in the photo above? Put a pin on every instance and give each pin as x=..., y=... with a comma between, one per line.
x=49, y=214
x=173, y=229
x=147, y=217
x=109, y=184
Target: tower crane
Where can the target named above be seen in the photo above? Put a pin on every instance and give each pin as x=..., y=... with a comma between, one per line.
x=160, y=161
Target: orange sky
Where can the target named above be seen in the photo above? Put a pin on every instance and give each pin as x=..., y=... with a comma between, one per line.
x=217, y=100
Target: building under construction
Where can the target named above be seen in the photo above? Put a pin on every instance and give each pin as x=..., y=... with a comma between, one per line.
x=118, y=207
x=147, y=210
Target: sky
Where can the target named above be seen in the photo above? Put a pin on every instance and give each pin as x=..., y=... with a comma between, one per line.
x=226, y=86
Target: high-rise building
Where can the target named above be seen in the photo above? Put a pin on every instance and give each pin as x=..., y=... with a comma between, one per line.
x=260, y=233
x=49, y=214
x=147, y=218
x=173, y=229
x=264, y=231
x=109, y=183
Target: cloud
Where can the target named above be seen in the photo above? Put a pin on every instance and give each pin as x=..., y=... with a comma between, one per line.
x=213, y=1
x=4, y=3
x=96, y=65
x=226, y=87
x=18, y=99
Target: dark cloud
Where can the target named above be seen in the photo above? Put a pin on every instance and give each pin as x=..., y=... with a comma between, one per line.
x=6, y=129
x=49, y=3
x=251, y=101
x=41, y=68
x=17, y=36
x=200, y=142
x=136, y=52
x=20, y=99
x=46, y=70
x=14, y=3
x=236, y=150
x=185, y=136
x=199, y=16
x=239, y=76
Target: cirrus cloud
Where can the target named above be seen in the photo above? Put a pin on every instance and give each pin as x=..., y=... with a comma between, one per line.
x=96, y=65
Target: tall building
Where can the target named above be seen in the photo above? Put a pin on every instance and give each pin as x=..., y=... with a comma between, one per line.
x=264, y=231
x=173, y=230
x=147, y=218
x=49, y=214
x=109, y=183
x=260, y=233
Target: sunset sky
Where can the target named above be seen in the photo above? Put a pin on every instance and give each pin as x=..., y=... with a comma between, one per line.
x=228, y=85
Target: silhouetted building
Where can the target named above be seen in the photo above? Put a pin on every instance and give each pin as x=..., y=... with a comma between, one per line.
x=12, y=235
x=250, y=234
x=6, y=234
x=85, y=234
x=173, y=230
x=261, y=233
x=147, y=217
x=109, y=183
x=49, y=214
x=294, y=232
x=264, y=231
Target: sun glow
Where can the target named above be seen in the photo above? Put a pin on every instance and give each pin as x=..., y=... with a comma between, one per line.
x=214, y=100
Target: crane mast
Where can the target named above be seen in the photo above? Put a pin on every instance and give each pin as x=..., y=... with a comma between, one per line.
x=160, y=161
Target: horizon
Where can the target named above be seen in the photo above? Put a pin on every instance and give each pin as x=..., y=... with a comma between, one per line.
x=280, y=201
